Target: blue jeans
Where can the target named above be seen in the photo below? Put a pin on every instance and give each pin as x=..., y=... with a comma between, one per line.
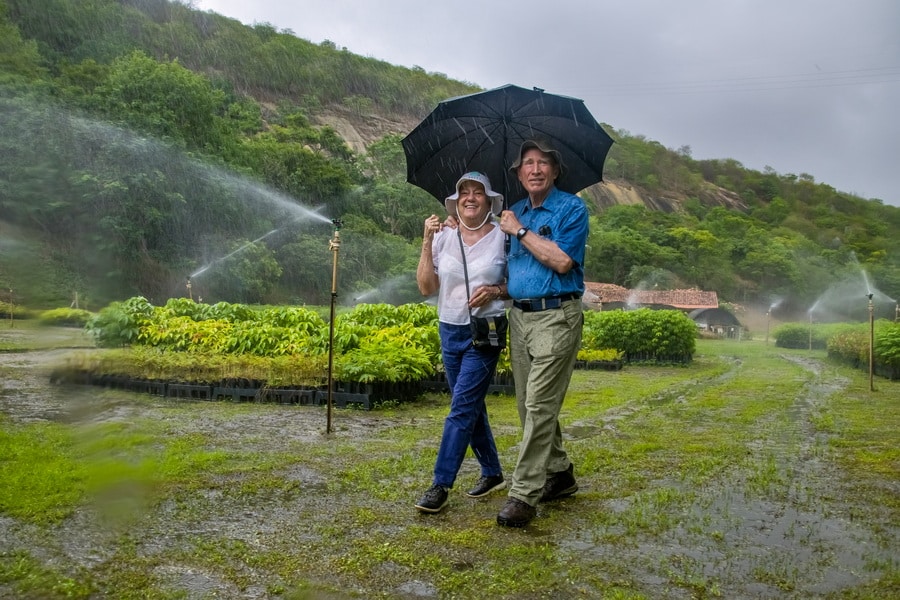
x=469, y=372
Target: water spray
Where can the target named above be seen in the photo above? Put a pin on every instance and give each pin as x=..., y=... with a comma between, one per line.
x=334, y=245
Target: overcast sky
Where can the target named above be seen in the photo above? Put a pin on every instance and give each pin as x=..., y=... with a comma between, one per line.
x=801, y=86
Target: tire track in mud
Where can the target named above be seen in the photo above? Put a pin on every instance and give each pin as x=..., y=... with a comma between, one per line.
x=784, y=532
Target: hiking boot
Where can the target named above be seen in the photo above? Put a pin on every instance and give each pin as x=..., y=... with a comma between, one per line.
x=434, y=499
x=559, y=485
x=486, y=485
x=515, y=513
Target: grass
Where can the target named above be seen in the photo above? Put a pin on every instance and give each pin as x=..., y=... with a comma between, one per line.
x=693, y=479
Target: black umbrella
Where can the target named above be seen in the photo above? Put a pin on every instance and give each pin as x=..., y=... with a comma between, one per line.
x=484, y=132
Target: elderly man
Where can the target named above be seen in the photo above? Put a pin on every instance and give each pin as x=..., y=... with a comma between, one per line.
x=548, y=232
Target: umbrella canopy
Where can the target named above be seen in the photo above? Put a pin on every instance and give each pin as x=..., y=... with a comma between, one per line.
x=484, y=132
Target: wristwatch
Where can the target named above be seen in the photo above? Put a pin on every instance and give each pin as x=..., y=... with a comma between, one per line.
x=521, y=233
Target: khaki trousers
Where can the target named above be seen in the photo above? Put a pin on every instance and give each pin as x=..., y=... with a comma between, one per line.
x=543, y=349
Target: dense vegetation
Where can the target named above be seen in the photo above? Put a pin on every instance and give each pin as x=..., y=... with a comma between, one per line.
x=146, y=141
x=186, y=340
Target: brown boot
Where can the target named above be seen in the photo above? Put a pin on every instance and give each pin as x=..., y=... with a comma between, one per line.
x=516, y=513
x=559, y=485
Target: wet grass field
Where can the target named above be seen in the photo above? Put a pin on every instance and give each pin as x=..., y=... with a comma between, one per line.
x=753, y=472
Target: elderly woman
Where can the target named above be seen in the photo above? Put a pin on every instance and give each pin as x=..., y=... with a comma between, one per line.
x=466, y=267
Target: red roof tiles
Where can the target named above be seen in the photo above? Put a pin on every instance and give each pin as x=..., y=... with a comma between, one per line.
x=691, y=299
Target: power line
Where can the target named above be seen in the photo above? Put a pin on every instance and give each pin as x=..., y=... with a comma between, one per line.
x=822, y=79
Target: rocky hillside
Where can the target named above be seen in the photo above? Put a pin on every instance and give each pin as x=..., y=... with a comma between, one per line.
x=618, y=191
x=359, y=130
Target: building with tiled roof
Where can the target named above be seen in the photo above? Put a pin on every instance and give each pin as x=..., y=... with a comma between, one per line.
x=701, y=306
x=608, y=295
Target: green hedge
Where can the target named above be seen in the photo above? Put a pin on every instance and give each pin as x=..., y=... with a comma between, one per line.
x=643, y=335
x=848, y=342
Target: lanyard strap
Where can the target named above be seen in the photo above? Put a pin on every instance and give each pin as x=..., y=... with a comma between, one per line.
x=462, y=252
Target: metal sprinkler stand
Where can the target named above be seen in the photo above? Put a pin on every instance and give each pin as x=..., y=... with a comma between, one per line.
x=334, y=245
x=871, y=343
x=188, y=286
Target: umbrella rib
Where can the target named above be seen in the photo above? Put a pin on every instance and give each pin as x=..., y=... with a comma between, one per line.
x=484, y=131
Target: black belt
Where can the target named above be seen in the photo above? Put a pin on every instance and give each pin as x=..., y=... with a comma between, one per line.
x=539, y=304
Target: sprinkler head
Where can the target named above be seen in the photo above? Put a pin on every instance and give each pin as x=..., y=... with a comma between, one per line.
x=337, y=223
x=869, y=296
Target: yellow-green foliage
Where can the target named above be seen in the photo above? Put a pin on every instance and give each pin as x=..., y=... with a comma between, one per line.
x=372, y=342
x=15, y=311
x=849, y=344
x=66, y=317
x=605, y=355
x=153, y=363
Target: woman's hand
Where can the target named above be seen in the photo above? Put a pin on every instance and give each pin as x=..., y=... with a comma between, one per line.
x=432, y=226
x=484, y=294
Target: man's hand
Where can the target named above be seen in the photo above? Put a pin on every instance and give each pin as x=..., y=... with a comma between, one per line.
x=509, y=223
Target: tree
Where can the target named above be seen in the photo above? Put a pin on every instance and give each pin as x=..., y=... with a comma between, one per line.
x=18, y=57
x=704, y=257
x=166, y=100
x=770, y=262
x=247, y=275
x=613, y=254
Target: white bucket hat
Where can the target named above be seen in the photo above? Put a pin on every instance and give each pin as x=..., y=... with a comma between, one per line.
x=496, y=199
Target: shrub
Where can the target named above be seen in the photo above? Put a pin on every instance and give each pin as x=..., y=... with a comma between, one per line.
x=797, y=335
x=887, y=343
x=65, y=317
x=849, y=344
x=641, y=335
x=606, y=355
x=120, y=323
x=16, y=311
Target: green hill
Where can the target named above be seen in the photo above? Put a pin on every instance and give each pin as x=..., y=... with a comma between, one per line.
x=146, y=142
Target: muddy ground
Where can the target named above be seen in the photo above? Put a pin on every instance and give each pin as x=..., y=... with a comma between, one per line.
x=814, y=535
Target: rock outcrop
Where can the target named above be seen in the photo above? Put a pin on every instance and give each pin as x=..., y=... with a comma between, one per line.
x=359, y=130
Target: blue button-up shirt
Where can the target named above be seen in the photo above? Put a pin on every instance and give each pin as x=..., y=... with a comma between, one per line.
x=566, y=217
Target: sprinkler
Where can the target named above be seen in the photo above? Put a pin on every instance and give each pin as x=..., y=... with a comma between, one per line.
x=810, y=328
x=188, y=286
x=871, y=343
x=334, y=245
x=768, y=312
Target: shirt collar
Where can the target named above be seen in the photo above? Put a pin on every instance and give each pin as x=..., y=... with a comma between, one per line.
x=550, y=199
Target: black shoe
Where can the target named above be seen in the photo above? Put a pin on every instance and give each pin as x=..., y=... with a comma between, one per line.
x=434, y=499
x=516, y=513
x=559, y=485
x=486, y=485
